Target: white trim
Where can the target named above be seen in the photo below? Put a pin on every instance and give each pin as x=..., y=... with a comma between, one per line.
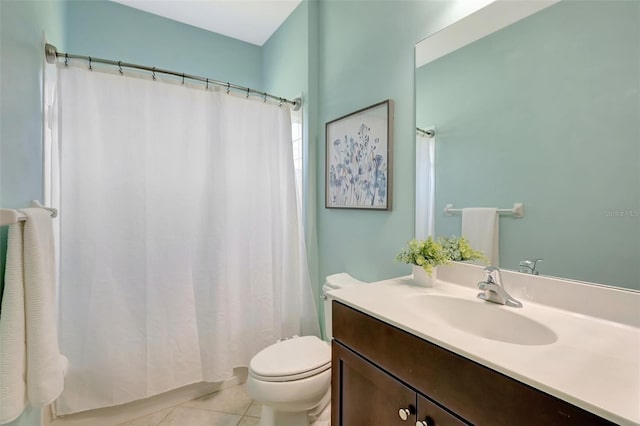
x=475, y=26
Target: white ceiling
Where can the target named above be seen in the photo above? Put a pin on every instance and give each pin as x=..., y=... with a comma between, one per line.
x=253, y=21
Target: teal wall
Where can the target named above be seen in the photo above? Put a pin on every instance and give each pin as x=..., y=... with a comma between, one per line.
x=342, y=55
x=21, y=45
x=112, y=31
x=366, y=55
x=285, y=63
x=100, y=29
x=22, y=24
x=22, y=28
x=545, y=112
x=289, y=61
x=328, y=52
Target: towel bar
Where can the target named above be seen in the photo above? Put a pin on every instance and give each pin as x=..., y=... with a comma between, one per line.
x=9, y=216
x=516, y=211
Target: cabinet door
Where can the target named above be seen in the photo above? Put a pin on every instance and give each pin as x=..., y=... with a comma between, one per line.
x=430, y=414
x=364, y=395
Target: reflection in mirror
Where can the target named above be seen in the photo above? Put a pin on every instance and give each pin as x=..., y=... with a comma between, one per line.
x=425, y=181
x=545, y=112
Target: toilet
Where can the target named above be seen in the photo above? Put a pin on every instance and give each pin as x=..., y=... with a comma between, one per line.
x=292, y=377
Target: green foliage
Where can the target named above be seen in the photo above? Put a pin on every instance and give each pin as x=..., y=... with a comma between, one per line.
x=426, y=253
x=430, y=253
x=458, y=249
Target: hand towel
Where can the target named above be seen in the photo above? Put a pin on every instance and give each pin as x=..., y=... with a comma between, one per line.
x=13, y=362
x=31, y=366
x=45, y=364
x=480, y=228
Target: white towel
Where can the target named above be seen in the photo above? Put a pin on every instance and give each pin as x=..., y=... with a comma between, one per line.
x=45, y=364
x=13, y=361
x=480, y=228
x=30, y=352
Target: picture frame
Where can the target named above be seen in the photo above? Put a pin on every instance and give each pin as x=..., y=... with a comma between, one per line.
x=358, y=169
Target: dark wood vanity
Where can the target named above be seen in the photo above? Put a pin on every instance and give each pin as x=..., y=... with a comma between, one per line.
x=382, y=375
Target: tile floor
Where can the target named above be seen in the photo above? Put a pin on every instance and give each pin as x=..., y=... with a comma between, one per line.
x=228, y=407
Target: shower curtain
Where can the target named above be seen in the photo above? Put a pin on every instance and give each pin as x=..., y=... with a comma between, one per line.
x=181, y=246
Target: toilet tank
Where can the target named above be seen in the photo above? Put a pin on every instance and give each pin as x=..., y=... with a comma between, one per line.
x=334, y=282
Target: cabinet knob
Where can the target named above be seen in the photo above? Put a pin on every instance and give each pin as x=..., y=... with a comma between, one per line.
x=426, y=422
x=404, y=413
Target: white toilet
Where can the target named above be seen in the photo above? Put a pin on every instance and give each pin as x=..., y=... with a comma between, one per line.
x=292, y=378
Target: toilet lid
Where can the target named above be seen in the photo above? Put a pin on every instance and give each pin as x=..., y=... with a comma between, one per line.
x=291, y=359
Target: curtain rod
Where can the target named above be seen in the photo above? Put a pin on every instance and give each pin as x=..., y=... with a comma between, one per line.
x=51, y=54
x=429, y=133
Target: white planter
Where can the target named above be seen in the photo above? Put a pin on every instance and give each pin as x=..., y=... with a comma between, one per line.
x=421, y=278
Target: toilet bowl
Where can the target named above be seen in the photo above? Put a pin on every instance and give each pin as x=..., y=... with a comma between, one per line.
x=292, y=377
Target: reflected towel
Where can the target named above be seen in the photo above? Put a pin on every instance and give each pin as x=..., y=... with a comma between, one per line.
x=480, y=228
x=31, y=366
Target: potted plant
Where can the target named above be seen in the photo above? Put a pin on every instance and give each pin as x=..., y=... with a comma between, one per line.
x=426, y=255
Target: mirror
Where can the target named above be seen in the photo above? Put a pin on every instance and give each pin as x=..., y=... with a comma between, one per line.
x=544, y=111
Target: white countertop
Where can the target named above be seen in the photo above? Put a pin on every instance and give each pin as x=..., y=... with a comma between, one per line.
x=594, y=364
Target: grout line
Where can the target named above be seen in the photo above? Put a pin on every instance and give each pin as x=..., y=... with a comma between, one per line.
x=215, y=410
x=245, y=413
x=247, y=409
x=149, y=415
x=167, y=415
x=247, y=417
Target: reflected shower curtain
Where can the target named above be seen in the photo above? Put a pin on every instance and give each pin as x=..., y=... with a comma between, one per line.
x=181, y=249
x=425, y=186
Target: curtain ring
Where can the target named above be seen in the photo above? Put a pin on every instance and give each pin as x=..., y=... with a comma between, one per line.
x=280, y=102
x=66, y=59
x=153, y=72
x=248, y=92
x=207, y=84
x=183, y=78
x=228, y=87
x=120, y=67
x=264, y=97
x=90, y=67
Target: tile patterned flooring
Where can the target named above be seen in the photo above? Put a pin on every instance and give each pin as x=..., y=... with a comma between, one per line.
x=228, y=407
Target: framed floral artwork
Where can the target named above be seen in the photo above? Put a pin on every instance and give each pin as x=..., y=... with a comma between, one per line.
x=358, y=163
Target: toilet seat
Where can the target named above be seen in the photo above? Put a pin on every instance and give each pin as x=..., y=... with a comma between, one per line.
x=292, y=359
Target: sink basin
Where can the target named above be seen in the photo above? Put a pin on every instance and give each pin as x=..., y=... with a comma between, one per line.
x=483, y=319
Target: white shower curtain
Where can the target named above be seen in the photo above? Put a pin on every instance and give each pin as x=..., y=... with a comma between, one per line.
x=182, y=252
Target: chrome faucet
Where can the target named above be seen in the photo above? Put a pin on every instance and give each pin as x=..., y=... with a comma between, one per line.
x=529, y=266
x=494, y=289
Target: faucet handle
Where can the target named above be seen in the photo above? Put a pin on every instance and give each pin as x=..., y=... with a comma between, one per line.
x=529, y=266
x=494, y=275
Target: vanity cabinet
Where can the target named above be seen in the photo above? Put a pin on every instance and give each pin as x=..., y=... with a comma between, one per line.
x=370, y=396
x=378, y=370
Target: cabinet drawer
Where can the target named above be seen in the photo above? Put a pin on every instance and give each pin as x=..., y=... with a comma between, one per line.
x=433, y=415
x=476, y=393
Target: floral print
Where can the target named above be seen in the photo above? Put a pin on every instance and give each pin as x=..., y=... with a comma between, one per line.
x=358, y=170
